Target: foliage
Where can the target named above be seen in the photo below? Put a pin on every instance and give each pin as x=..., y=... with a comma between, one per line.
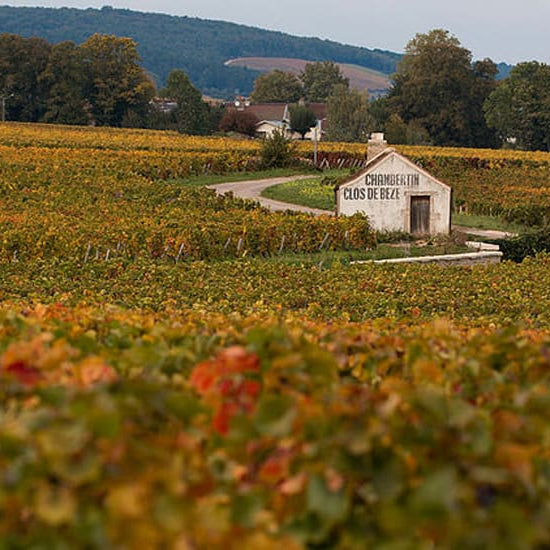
x=22, y=61
x=277, y=150
x=519, y=108
x=397, y=132
x=437, y=86
x=276, y=87
x=93, y=202
x=198, y=47
x=348, y=115
x=204, y=431
x=302, y=119
x=65, y=80
x=252, y=404
x=509, y=184
x=320, y=78
x=99, y=81
x=242, y=122
x=115, y=83
x=527, y=244
x=192, y=114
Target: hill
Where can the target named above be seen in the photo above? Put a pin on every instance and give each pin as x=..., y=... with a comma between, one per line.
x=199, y=47
x=360, y=78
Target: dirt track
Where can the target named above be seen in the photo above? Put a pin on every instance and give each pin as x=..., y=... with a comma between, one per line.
x=253, y=189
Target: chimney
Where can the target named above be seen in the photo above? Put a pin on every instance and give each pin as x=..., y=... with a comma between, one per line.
x=376, y=145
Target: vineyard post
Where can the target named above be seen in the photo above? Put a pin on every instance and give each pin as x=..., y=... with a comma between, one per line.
x=180, y=251
x=88, y=252
x=226, y=245
x=315, y=137
x=282, y=244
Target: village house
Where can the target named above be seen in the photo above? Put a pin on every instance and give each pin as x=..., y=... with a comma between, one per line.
x=276, y=116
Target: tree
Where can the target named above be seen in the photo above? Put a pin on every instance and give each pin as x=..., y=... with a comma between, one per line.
x=484, y=83
x=192, y=115
x=65, y=80
x=242, y=122
x=116, y=86
x=413, y=133
x=380, y=113
x=22, y=61
x=348, y=115
x=276, y=87
x=437, y=86
x=519, y=108
x=302, y=119
x=319, y=79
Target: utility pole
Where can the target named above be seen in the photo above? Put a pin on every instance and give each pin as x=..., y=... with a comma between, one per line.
x=315, y=138
x=3, y=99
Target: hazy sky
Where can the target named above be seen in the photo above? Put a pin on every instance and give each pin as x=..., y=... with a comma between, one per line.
x=504, y=30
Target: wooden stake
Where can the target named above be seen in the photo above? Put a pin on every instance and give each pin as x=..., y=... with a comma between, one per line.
x=282, y=244
x=180, y=251
x=88, y=252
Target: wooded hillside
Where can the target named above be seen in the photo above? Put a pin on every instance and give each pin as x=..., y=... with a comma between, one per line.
x=199, y=47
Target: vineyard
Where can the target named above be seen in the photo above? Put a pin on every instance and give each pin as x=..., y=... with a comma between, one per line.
x=168, y=381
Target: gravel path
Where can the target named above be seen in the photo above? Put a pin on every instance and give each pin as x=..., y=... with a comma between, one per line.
x=252, y=189
x=485, y=233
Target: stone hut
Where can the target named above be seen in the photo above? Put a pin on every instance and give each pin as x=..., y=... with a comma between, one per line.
x=396, y=194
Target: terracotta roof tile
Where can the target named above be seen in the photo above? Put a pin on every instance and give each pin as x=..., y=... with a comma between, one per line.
x=267, y=111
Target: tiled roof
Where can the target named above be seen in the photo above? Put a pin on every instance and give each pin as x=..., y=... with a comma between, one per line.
x=276, y=111
x=378, y=159
x=267, y=111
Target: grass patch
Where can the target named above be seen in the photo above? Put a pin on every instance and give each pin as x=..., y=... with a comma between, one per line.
x=306, y=192
x=488, y=222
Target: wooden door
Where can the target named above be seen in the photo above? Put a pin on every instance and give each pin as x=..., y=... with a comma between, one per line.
x=420, y=214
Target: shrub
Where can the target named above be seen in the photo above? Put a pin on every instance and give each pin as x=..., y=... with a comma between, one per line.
x=277, y=151
x=242, y=122
x=529, y=244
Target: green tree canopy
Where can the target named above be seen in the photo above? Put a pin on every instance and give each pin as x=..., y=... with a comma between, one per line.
x=192, y=115
x=519, y=108
x=348, y=115
x=437, y=87
x=65, y=80
x=302, y=119
x=22, y=61
x=116, y=86
x=319, y=79
x=413, y=133
x=276, y=87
